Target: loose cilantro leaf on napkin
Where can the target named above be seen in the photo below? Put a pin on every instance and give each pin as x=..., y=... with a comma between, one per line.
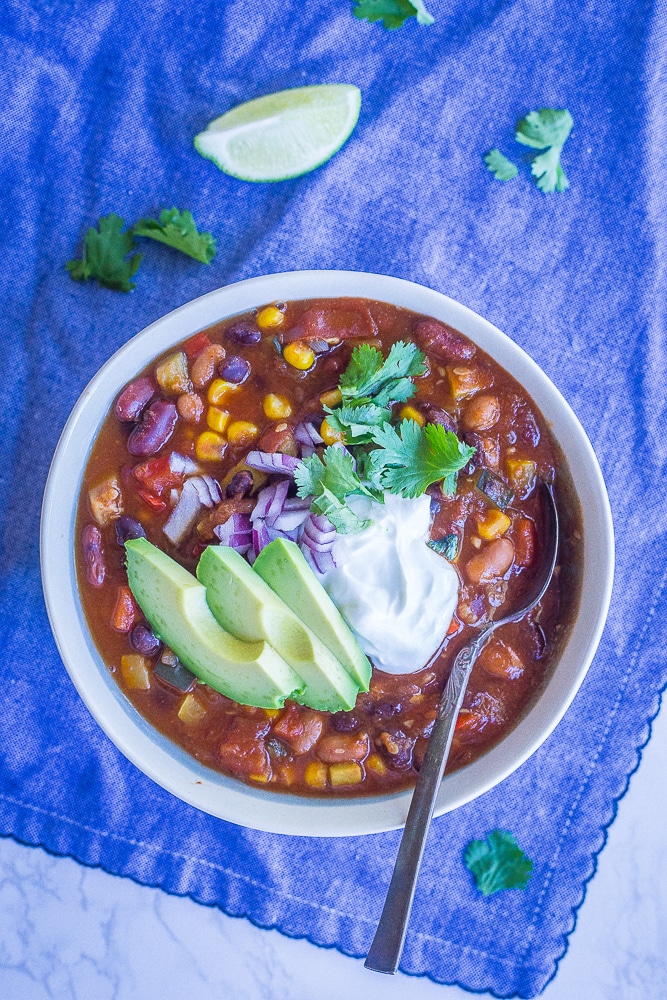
x=498, y=863
x=329, y=480
x=501, y=168
x=178, y=230
x=409, y=459
x=547, y=129
x=104, y=254
x=392, y=13
x=371, y=378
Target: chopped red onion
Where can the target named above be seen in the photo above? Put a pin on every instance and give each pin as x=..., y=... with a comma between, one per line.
x=184, y=514
x=278, y=501
x=306, y=434
x=181, y=464
x=236, y=532
x=260, y=536
x=324, y=561
x=288, y=520
x=208, y=490
x=265, y=461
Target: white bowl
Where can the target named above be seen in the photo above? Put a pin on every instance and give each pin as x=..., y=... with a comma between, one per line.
x=166, y=763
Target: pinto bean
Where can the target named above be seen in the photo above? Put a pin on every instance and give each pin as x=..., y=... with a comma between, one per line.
x=481, y=413
x=491, y=562
x=342, y=746
x=93, y=554
x=203, y=367
x=156, y=427
x=442, y=341
x=190, y=407
x=134, y=399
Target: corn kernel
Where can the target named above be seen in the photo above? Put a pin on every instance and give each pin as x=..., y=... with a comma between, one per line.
x=271, y=713
x=263, y=778
x=493, y=524
x=134, y=669
x=410, y=413
x=191, y=710
x=316, y=774
x=375, y=763
x=276, y=407
x=241, y=432
x=332, y=398
x=299, y=355
x=217, y=419
x=218, y=389
x=210, y=447
x=345, y=773
x=329, y=434
x=269, y=318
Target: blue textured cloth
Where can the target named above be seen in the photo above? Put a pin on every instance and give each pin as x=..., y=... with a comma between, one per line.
x=99, y=103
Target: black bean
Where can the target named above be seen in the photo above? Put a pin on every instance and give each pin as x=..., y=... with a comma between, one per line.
x=243, y=333
x=240, y=484
x=234, y=369
x=396, y=749
x=144, y=640
x=277, y=749
x=126, y=528
x=345, y=722
x=387, y=708
x=154, y=430
x=436, y=415
x=93, y=553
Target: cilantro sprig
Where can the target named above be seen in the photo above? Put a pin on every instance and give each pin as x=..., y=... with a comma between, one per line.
x=107, y=253
x=371, y=378
x=330, y=480
x=392, y=13
x=178, y=230
x=547, y=129
x=409, y=459
x=498, y=863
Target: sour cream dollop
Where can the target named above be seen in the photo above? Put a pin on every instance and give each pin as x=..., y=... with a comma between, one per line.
x=395, y=592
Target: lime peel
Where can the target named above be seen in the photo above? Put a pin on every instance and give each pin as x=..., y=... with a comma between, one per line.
x=282, y=135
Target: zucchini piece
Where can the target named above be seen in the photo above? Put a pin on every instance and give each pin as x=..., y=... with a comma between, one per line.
x=447, y=547
x=495, y=489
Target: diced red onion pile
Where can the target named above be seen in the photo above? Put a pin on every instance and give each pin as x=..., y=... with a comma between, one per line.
x=198, y=492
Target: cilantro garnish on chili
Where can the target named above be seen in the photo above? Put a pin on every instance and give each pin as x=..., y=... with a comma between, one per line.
x=498, y=863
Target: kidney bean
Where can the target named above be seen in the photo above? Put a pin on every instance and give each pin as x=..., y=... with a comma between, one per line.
x=234, y=369
x=203, y=367
x=126, y=528
x=134, y=399
x=190, y=407
x=240, y=484
x=481, y=413
x=156, y=427
x=144, y=640
x=342, y=747
x=436, y=415
x=243, y=333
x=93, y=554
x=442, y=341
x=492, y=562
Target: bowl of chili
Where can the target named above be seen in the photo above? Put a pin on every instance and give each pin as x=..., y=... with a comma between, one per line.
x=251, y=368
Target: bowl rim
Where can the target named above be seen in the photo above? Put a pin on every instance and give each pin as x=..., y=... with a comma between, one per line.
x=164, y=762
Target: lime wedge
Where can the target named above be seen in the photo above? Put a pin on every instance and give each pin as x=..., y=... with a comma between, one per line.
x=282, y=135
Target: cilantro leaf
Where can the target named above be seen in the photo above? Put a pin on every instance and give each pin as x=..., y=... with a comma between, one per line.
x=357, y=422
x=501, y=168
x=392, y=13
x=547, y=129
x=498, y=863
x=178, y=230
x=329, y=480
x=104, y=255
x=408, y=463
x=368, y=377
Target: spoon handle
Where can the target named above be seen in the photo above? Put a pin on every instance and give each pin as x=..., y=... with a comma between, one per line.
x=387, y=946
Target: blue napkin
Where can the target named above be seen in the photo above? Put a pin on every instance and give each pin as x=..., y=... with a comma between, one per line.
x=100, y=101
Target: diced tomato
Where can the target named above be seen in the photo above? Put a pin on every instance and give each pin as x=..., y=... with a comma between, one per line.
x=196, y=344
x=454, y=626
x=155, y=503
x=125, y=610
x=301, y=729
x=243, y=751
x=290, y=723
x=332, y=325
x=524, y=542
x=159, y=475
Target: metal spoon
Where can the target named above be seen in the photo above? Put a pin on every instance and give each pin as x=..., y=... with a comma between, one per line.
x=387, y=946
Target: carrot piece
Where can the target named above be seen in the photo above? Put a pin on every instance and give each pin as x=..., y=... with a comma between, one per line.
x=524, y=542
x=125, y=610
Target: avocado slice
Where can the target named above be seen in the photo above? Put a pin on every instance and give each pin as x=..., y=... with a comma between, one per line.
x=174, y=603
x=283, y=566
x=248, y=608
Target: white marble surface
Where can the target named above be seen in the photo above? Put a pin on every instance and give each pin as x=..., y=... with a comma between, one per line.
x=72, y=933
